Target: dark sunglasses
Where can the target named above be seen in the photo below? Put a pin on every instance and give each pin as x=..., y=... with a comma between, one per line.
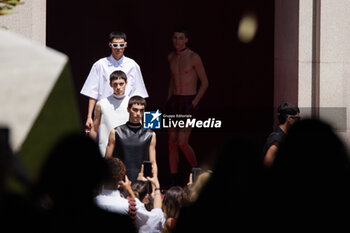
x=294, y=117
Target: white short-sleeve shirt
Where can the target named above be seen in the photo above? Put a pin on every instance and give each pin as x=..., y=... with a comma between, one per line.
x=148, y=221
x=111, y=200
x=97, y=85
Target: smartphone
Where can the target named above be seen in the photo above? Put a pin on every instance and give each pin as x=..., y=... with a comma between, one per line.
x=196, y=171
x=147, y=169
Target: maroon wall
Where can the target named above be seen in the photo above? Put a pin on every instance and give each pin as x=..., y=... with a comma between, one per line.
x=286, y=53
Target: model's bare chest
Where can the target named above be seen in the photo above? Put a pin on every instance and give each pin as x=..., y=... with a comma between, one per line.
x=181, y=64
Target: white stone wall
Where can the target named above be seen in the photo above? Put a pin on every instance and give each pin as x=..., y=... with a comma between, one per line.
x=29, y=21
x=305, y=55
x=334, y=63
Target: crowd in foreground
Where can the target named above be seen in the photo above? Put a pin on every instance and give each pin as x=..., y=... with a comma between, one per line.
x=306, y=187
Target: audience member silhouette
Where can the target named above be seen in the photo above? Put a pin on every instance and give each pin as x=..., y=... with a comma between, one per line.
x=310, y=178
x=69, y=178
x=307, y=187
x=172, y=203
x=232, y=196
x=16, y=210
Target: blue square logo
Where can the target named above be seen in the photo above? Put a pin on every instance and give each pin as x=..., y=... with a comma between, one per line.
x=151, y=120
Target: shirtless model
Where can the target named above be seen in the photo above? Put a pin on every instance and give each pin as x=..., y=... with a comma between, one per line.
x=186, y=68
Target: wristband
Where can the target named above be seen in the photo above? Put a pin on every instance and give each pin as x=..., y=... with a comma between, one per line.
x=157, y=189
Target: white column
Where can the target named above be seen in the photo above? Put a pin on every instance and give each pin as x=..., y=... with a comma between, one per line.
x=334, y=92
x=335, y=63
x=29, y=21
x=305, y=56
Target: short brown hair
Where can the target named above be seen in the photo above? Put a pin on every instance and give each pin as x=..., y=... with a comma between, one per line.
x=117, y=170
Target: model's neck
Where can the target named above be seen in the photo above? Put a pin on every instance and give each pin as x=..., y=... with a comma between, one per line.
x=117, y=57
x=181, y=51
x=284, y=128
x=119, y=97
x=133, y=124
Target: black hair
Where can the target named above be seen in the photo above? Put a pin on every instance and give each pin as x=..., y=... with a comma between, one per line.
x=182, y=30
x=136, y=100
x=117, y=74
x=284, y=110
x=117, y=35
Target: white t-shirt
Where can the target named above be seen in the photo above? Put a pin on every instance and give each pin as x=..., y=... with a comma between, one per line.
x=111, y=200
x=97, y=85
x=113, y=113
x=148, y=221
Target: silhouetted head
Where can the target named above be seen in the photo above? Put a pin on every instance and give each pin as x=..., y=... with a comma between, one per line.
x=233, y=191
x=73, y=170
x=5, y=153
x=239, y=166
x=312, y=161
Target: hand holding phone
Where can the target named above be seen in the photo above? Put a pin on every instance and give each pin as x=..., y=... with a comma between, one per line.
x=147, y=169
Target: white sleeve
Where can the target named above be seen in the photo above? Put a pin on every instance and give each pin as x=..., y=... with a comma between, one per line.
x=120, y=206
x=137, y=84
x=157, y=220
x=159, y=215
x=142, y=214
x=91, y=85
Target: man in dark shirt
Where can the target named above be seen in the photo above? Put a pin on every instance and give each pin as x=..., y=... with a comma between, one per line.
x=287, y=115
x=131, y=143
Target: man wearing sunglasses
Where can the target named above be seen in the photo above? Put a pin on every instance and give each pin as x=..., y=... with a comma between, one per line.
x=186, y=69
x=287, y=114
x=97, y=85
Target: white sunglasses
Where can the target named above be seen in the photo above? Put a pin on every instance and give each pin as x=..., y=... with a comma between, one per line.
x=115, y=45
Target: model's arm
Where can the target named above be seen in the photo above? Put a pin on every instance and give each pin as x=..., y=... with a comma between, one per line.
x=171, y=87
x=96, y=122
x=171, y=82
x=152, y=155
x=200, y=71
x=110, y=145
x=89, y=121
x=271, y=155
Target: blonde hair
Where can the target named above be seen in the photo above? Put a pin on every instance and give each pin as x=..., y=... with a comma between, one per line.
x=198, y=185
